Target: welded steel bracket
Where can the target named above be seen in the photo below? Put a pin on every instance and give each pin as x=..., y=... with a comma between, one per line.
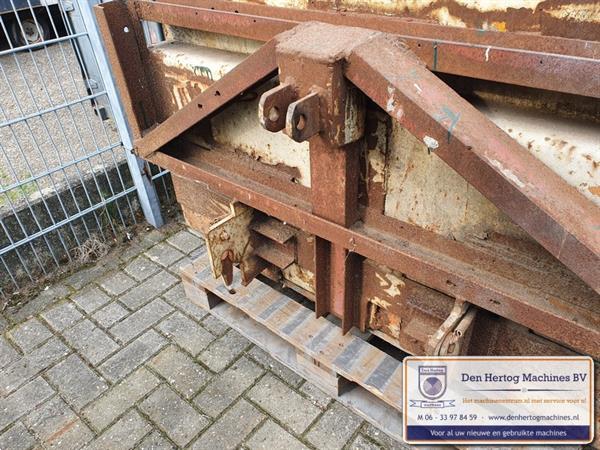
x=518, y=183
x=228, y=242
x=256, y=68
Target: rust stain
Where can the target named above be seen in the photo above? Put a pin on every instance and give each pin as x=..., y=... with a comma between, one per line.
x=62, y=431
x=594, y=190
x=571, y=311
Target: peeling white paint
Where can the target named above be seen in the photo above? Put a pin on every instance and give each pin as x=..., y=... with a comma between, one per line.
x=422, y=189
x=380, y=302
x=391, y=103
x=487, y=54
x=430, y=142
x=393, y=283
x=584, y=12
x=354, y=117
x=394, y=329
x=507, y=173
x=444, y=17
x=301, y=277
x=377, y=163
x=237, y=127
x=570, y=147
x=495, y=5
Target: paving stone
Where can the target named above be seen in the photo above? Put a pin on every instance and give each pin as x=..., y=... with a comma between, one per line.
x=362, y=443
x=24, y=400
x=267, y=361
x=25, y=368
x=224, y=350
x=17, y=438
x=155, y=441
x=176, y=297
x=185, y=375
x=124, y=434
x=149, y=289
x=29, y=334
x=173, y=415
x=130, y=357
x=87, y=276
x=185, y=241
x=120, y=398
x=185, y=332
x=271, y=436
x=282, y=402
x=78, y=384
x=383, y=439
x=141, y=268
x=334, y=428
x=90, y=341
x=133, y=249
x=48, y=296
x=91, y=299
x=316, y=395
x=231, y=429
x=140, y=320
x=153, y=237
x=164, y=254
x=7, y=353
x=177, y=266
x=223, y=390
x=117, y=283
x=3, y=324
x=62, y=316
x=214, y=325
x=110, y=314
x=57, y=426
x=200, y=251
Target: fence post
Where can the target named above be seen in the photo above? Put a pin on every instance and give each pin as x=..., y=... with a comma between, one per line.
x=145, y=187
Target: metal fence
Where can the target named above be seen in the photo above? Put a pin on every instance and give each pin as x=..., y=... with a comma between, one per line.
x=68, y=181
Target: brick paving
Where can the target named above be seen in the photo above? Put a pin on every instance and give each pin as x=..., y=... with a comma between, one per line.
x=116, y=357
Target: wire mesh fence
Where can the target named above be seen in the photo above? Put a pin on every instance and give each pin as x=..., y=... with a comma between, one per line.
x=65, y=182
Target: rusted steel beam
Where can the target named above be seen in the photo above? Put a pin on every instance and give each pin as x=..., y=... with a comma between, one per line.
x=335, y=177
x=405, y=26
x=119, y=31
x=328, y=115
x=256, y=68
x=241, y=25
x=518, y=183
x=548, y=276
x=432, y=265
x=557, y=64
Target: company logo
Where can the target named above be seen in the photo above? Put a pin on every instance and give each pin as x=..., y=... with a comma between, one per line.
x=432, y=381
x=432, y=385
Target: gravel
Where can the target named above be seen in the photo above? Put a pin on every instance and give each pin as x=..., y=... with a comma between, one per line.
x=31, y=82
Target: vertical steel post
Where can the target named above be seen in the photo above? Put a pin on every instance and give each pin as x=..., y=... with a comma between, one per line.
x=330, y=115
x=145, y=188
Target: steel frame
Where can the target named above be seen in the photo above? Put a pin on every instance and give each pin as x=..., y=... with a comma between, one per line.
x=524, y=59
x=424, y=257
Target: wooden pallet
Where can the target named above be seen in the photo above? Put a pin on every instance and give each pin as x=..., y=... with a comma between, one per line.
x=357, y=374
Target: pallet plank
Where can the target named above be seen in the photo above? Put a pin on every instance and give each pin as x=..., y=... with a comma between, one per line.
x=318, y=339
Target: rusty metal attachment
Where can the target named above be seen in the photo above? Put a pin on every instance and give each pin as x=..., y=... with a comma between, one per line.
x=302, y=120
x=273, y=105
x=450, y=336
x=323, y=227
x=228, y=242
